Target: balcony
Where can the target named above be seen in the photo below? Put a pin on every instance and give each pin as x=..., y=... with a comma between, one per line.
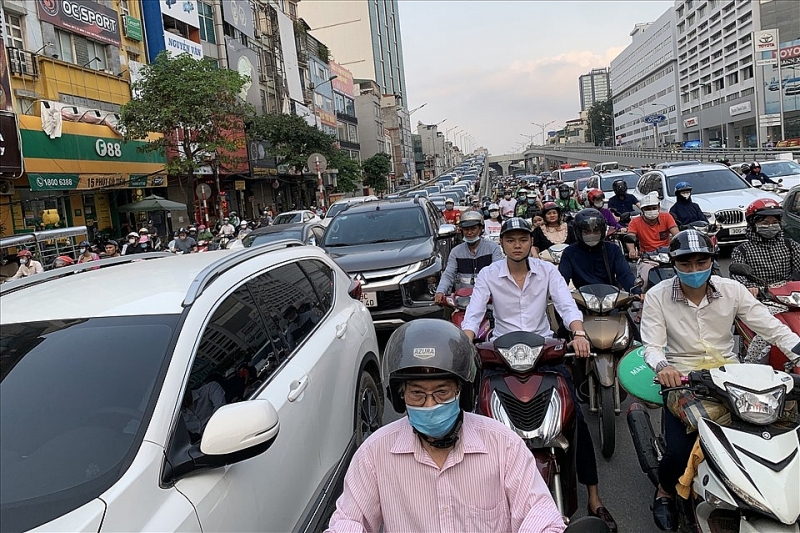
x=22, y=63
x=347, y=117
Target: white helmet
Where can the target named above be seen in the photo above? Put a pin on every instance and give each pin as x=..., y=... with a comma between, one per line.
x=650, y=200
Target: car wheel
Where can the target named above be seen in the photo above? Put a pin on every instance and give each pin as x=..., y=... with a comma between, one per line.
x=369, y=407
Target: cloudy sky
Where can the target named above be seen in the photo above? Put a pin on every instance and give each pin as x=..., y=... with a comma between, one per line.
x=493, y=67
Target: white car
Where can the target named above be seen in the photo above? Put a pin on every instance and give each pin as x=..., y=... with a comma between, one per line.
x=293, y=217
x=203, y=392
x=719, y=191
x=786, y=171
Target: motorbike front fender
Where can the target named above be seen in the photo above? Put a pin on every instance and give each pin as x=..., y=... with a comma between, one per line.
x=604, y=367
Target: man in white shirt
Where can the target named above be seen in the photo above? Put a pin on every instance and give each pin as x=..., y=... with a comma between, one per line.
x=507, y=205
x=519, y=288
x=27, y=266
x=686, y=325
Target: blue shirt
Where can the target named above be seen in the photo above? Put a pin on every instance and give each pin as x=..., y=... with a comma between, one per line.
x=586, y=267
x=624, y=205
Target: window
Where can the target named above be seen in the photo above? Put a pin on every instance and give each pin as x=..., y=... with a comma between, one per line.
x=124, y=8
x=80, y=51
x=338, y=100
x=64, y=46
x=206, y=14
x=342, y=131
x=352, y=133
x=13, y=31
x=321, y=277
x=349, y=106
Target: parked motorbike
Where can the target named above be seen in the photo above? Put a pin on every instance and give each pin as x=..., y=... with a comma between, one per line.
x=747, y=480
x=784, y=299
x=459, y=301
x=609, y=331
x=519, y=388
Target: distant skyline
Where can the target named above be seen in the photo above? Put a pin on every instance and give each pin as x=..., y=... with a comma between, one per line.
x=493, y=67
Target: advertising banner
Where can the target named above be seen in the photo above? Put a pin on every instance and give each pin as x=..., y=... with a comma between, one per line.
x=177, y=45
x=10, y=146
x=788, y=87
x=87, y=182
x=239, y=14
x=84, y=17
x=344, y=79
x=183, y=10
x=262, y=161
x=245, y=61
x=289, y=49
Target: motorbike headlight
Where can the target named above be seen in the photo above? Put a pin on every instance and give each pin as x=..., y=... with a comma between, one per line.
x=609, y=302
x=661, y=257
x=591, y=302
x=521, y=357
x=762, y=407
x=556, y=256
x=623, y=340
x=462, y=302
x=792, y=300
x=712, y=219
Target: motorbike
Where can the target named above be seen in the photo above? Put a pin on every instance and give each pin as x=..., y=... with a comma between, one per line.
x=223, y=241
x=609, y=331
x=518, y=388
x=783, y=299
x=744, y=481
x=459, y=301
x=553, y=254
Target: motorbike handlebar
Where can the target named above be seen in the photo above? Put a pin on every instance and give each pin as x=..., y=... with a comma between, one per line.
x=572, y=354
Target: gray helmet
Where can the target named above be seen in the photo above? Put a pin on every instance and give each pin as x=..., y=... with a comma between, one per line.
x=515, y=224
x=430, y=348
x=688, y=242
x=471, y=218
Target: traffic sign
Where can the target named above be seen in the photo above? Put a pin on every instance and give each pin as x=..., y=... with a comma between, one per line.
x=655, y=119
x=203, y=191
x=315, y=159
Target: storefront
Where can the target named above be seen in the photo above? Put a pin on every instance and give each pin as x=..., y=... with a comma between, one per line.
x=83, y=174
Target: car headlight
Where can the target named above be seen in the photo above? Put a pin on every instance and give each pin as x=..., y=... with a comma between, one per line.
x=521, y=357
x=420, y=265
x=761, y=407
x=792, y=300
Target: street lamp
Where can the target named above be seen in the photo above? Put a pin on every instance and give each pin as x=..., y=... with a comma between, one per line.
x=529, y=137
x=543, y=126
x=312, y=87
x=417, y=109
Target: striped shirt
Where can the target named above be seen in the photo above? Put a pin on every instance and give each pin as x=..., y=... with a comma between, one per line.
x=489, y=482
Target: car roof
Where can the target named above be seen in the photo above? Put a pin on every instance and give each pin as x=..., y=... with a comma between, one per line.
x=690, y=169
x=299, y=211
x=355, y=200
x=385, y=205
x=282, y=227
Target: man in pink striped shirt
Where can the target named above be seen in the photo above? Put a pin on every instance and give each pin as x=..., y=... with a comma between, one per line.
x=441, y=468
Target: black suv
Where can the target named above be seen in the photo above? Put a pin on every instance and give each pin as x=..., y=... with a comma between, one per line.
x=397, y=249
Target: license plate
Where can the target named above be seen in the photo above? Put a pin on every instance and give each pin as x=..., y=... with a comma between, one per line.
x=369, y=299
x=737, y=231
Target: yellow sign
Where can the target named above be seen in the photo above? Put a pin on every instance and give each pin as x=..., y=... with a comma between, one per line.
x=103, y=211
x=239, y=185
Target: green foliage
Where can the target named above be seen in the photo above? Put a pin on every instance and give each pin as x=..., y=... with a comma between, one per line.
x=323, y=53
x=376, y=171
x=191, y=103
x=349, y=171
x=601, y=122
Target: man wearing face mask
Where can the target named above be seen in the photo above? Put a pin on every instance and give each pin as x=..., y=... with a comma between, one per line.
x=468, y=258
x=685, y=319
x=130, y=246
x=433, y=469
x=450, y=213
x=566, y=202
x=773, y=258
x=27, y=266
x=622, y=201
x=507, y=204
x=685, y=211
x=185, y=244
x=653, y=228
x=85, y=253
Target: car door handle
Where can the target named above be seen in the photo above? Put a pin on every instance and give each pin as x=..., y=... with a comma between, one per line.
x=296, y=388
x=341, y=329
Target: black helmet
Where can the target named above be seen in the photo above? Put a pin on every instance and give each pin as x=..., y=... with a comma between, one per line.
x=471, y=218
x=429, y=348
x=515, y=224
x=113, y=243
x=589, y=220
x=84, y=244
x=745, y=168
x=620, y=186
x=182, y=230
x=755, y=164
x=688, y=242
x=564, y=191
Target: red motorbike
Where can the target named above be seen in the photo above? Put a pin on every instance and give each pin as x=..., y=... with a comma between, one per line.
x=519, y=389
x=459, y=301
x=786, y=297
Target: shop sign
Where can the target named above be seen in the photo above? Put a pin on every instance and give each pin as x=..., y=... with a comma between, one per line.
x=90, y=19
x=133, y=28
x=87, y=182
x=183, y=10
x=10, y=148
x=690, y=122
x=260, y=156
x=239, y=14
x=739, y=109
x=766, y=40
x=177, y=45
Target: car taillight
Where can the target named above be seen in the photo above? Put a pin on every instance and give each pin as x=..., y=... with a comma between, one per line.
x=355, y=289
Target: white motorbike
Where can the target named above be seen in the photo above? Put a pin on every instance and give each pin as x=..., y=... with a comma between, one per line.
x=749, y=479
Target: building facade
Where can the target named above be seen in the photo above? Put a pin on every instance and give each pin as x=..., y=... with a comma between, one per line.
x=370, y=130
x=593, y=87
x=345, y=106
x=643, y=79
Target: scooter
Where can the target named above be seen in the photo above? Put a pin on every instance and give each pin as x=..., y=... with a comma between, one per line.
x=784, y=298
x=518, y=389
x=609, y=331
x=459, y=301
x=553, y=254
x=748, y=478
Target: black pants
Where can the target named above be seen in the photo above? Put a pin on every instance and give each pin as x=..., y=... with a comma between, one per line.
x=585, y=460
x=678, y=449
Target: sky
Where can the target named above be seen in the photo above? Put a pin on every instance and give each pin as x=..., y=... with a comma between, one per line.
x=492, y=67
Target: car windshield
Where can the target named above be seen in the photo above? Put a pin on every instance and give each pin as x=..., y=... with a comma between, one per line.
x=607, y=182
x=75, y=401
x=335, y=209
x=266, y=238
x=376, y=225
x=782, y=168
x=708, y=181
x=286, y=218
x=572, y=175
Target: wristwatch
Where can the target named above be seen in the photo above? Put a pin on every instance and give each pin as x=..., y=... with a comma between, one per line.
x=579, y=333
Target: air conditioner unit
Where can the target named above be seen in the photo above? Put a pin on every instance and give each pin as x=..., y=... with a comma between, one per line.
x=6, y=187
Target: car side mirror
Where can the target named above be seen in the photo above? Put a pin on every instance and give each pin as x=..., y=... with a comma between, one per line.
x=447, y=230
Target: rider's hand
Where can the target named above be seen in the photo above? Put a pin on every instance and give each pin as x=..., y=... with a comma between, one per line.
x=669, y=377
x=753, y=291
x=580, y=346
x=439, y=298
x=534, y=253
x=633, y=254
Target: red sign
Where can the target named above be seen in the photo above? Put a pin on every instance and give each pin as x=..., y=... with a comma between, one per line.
x=343, y=83
x=87, y=18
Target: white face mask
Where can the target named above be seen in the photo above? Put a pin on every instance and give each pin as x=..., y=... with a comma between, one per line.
x=23, y=261
x=651, y=214
x=82, y=250
x=132, y=241
x=599, y=203
x=685, y=195
x=494, y=214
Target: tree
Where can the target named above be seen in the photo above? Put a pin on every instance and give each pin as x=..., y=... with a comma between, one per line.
x=292, y=140
x=376, y=171
x=193, y=104
x=601, y=122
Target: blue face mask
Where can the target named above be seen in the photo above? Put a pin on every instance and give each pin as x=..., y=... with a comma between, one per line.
x=694, y=280
x=434, y=421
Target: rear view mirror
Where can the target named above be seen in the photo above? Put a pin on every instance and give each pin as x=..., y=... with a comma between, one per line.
x=447, y=230
x=239, y=426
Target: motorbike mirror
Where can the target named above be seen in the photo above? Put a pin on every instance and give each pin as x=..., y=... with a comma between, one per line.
x=742, y=269
x=587, y=524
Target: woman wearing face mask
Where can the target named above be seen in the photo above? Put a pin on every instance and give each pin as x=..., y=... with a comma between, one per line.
x=27, y=266
x=553, y=231
x=773, y=257
x=685, y=211
x=493, y=224
x=85, y=253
